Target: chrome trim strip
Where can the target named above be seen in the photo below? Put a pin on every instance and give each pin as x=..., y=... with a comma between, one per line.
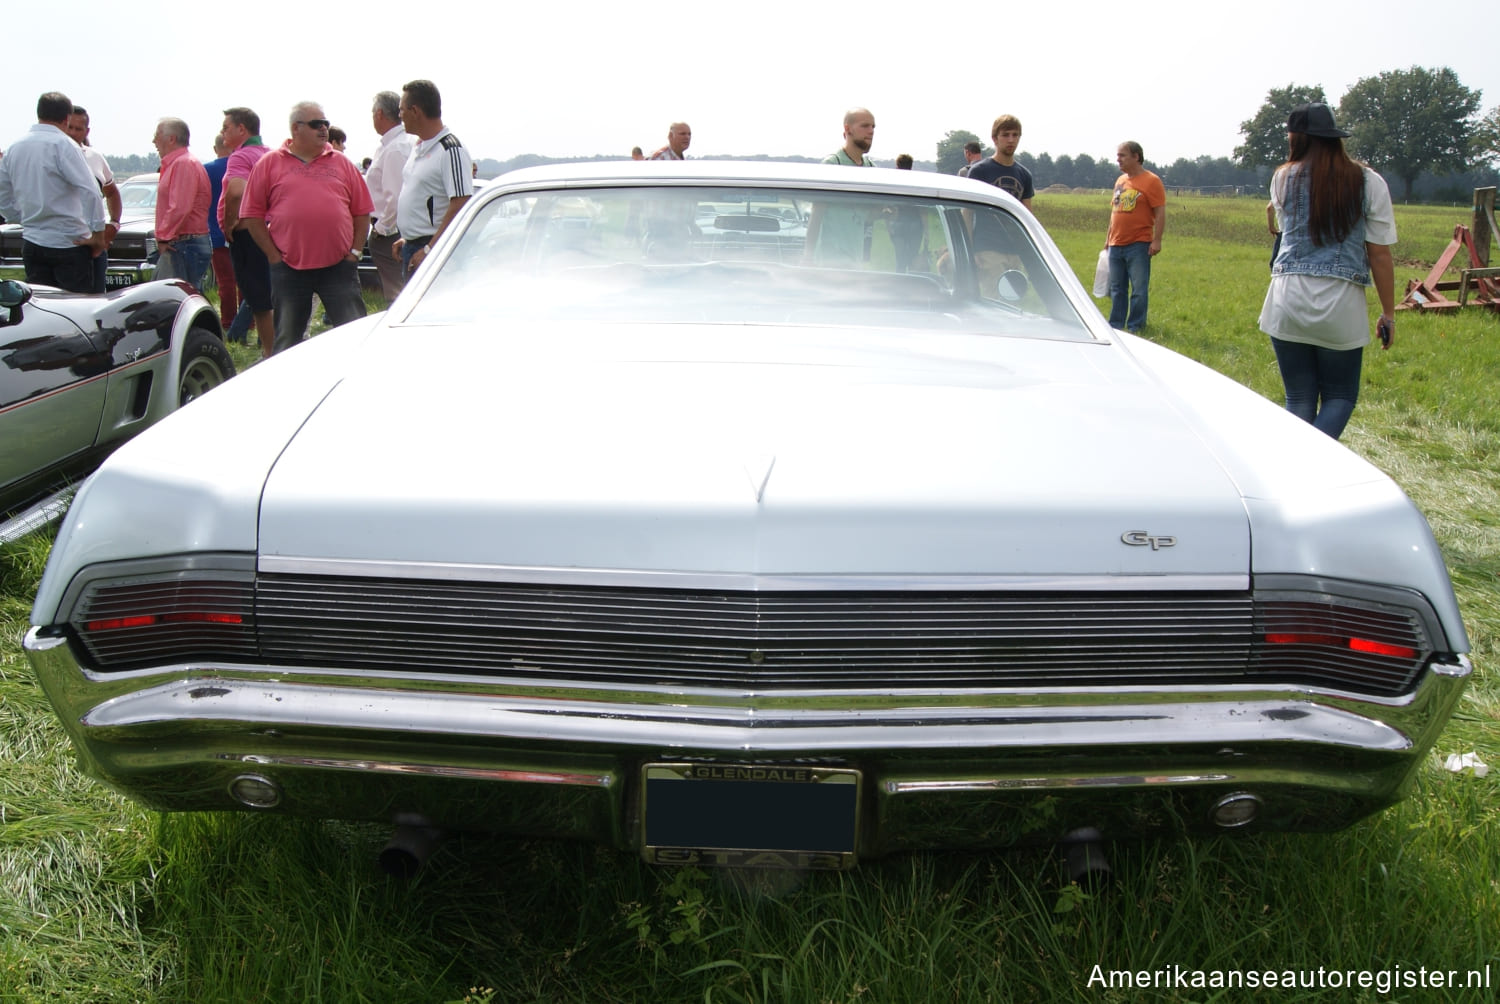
x=744, y=582
x=595, y=780
x=1055, y=781
x=49, y=509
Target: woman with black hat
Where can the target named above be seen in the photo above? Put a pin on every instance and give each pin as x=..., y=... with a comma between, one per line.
x=1337, y=228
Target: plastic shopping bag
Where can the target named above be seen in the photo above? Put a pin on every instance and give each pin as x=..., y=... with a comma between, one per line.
x=1101, y=274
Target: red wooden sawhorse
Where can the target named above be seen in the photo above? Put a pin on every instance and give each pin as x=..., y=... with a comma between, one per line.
x=1427, y=294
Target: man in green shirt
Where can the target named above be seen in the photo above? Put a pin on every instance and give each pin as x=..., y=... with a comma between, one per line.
x=859, y=133
x=836, y=230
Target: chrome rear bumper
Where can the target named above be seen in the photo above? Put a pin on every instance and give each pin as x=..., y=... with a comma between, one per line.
x=936, y=769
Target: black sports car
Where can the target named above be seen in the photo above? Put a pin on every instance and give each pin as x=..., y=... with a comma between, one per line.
x=79, y=375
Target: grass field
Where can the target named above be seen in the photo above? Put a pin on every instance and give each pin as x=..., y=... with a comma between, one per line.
x=100, y=901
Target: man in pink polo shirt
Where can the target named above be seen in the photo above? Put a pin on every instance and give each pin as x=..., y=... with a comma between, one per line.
x=182, y=197
x=252, y=273
x=308, y=209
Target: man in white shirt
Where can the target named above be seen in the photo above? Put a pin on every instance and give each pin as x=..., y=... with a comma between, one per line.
x=78, y=128
x=679, y=138
x=384, y=179
x=47, y=187
x=438, y=178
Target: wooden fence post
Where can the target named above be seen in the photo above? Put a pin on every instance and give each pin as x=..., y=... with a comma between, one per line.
x=1484, y=223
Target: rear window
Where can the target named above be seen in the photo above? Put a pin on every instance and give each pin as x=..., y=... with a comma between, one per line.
x=737, y=256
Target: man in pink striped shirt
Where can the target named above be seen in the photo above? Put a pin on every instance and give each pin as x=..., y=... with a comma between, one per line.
x=182, y=198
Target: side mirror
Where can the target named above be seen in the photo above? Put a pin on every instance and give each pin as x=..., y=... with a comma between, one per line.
x=13, y=293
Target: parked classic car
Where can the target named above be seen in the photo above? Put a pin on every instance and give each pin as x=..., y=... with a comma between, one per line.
x=731, y=553
x=79, y=375
x=132, y=254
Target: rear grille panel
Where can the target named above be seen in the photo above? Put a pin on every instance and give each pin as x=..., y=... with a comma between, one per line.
x=828, y=640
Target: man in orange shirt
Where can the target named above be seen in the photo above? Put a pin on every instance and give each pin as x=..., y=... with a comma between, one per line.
x=182, y=198
x=1137, y=219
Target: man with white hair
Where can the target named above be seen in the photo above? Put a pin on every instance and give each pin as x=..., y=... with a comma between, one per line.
x=384, y=179
x=307, y=207
x=679, y=138
x=182, y=197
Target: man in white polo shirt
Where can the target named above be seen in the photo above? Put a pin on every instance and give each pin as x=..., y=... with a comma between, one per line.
x=438, y=178
x=78, y=128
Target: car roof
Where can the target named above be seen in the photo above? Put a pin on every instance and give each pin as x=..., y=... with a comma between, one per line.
x=831, y=177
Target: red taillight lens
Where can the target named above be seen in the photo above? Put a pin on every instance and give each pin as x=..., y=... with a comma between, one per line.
x=116, y=623
x=188, y=617
x=1353, y=644
x=1286, y=638
x=1382, y=648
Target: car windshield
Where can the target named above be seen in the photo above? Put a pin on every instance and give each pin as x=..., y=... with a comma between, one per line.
x=138, y=195
x=760, y=255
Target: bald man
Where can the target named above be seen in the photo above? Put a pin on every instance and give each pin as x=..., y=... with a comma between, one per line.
x=859, y=133
x=836, y=231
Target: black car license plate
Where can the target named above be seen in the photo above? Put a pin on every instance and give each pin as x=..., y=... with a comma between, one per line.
x=750, y=815
x=119, y=280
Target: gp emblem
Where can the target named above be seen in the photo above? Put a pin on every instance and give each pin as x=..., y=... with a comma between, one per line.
x=1140, y=538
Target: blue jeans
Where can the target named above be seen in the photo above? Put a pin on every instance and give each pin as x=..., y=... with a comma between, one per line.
x=189, y=259
x=408, y=252
x=239, y=328
x=1129, y=283
x=292, y=292
x=1310, y=373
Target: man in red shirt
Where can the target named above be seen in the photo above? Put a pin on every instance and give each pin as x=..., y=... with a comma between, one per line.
x=308, y=209
x=182, y=198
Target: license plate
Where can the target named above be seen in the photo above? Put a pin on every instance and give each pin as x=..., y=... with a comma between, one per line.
x=750, y=815
x=118, y=280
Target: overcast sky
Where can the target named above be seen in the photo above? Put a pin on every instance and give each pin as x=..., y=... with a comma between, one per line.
x=773, y=77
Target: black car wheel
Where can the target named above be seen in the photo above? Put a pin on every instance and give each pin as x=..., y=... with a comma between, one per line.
x=205, y=365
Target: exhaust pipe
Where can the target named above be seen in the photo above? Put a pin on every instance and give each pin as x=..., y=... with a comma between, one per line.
x=408, y=850
x=1083, y=853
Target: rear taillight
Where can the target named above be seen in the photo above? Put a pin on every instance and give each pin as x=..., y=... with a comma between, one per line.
x=180, y=616
x=1362, y=644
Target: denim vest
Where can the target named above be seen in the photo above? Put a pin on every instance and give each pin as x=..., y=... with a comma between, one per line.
x=1299, y=255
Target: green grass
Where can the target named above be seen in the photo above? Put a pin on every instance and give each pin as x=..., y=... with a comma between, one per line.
x=100, y=901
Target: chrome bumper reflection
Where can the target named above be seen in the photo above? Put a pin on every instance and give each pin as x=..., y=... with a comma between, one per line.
x=954, y=769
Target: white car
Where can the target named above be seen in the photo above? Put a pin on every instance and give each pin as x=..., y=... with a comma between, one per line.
x=850, y=539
